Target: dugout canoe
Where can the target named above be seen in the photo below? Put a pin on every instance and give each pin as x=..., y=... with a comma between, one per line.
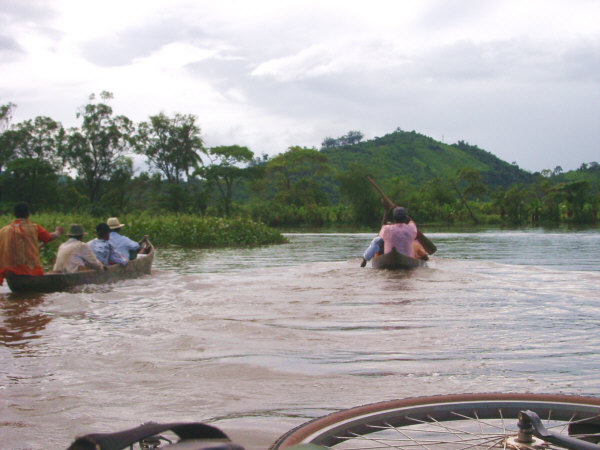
x=54, y=282
x=396, y=261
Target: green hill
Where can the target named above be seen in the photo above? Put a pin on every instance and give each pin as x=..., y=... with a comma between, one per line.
x=589, y=173
x=419, y=158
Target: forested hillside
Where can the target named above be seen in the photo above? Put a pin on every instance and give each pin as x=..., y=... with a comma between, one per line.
x=418, y=158
x=89, y=170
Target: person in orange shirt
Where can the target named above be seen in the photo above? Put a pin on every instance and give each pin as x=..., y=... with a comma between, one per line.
x=420, y=252
x=19, y=252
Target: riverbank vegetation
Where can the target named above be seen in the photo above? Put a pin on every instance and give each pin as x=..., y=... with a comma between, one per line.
x=88, y=171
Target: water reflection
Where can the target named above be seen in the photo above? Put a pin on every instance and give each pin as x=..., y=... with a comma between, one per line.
x=21, y=320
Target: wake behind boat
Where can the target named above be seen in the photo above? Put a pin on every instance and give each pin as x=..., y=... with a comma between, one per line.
x=394, y=260
x=53, y=282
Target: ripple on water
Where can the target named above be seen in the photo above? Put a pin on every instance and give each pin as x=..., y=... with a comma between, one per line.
x=258, y=335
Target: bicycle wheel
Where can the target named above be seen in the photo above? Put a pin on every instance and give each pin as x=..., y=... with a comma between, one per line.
x=462, y=421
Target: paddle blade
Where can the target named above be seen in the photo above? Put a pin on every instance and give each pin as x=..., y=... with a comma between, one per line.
x=426, y=243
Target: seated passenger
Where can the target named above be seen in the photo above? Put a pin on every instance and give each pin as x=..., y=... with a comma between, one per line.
x=375, y=249
x=125, y=246
x=103, y=249
x=420, y=252
x=75, y=255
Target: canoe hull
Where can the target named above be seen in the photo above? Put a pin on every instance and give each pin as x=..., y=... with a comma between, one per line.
x=396, y=261
x=53, y=282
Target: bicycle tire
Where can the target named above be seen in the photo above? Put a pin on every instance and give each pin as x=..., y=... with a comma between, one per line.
x=405, y=416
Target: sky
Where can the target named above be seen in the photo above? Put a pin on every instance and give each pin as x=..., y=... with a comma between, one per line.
x=520, y=79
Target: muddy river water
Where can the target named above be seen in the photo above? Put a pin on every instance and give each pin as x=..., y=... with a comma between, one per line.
x=257, y=341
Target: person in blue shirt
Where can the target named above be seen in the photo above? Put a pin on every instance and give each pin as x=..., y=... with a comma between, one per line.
x=127, y=247
x=375, y=248
x=103, y=249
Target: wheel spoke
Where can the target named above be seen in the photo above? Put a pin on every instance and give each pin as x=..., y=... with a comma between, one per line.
x=459, y=422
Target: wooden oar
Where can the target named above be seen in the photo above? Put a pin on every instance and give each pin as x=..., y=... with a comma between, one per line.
x=426, y=243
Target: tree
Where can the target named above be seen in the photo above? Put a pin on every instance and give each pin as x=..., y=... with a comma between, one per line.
x=224, y=169
x=352, y=138
x=29, y=154
x=6, y=145
x=404, y=192
x=6, y=115
x=293, y=174
x=544, y=203
x=469, y=184
x=437, y=197
x=575, y=193
x=96, y=149
x=38, y=139
x=117, y=193
x=31, y=180
x=363, y=199
x=172, y=145
x=514, y=201
x=498, y=201
x=329, y=142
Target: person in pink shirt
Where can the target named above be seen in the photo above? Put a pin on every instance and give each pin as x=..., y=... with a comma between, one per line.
x=401, y=234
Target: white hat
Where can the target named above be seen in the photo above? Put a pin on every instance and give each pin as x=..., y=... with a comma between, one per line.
x=113, y=223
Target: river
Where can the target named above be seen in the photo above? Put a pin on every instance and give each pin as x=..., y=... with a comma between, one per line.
x=257, y=341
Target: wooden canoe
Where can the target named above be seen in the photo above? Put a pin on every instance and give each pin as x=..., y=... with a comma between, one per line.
x=53, y=282
x=396, y=261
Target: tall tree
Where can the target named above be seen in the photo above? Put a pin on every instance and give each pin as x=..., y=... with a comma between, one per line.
x=6, y=145
x=363, y=199
x=6, y=115
x=437, y=200
x=469, y=183
x=225, y=169
x=96, y=149
x=39, y=139
x=172, y=145
x=117, y=193
x=293, y=174
x=29, y=158
x=32, y=180
x=515, y=203
x=575, y=193
x=353, y=137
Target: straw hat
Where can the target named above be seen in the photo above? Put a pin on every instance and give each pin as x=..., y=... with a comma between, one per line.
x=113, y=223
x=75, y=229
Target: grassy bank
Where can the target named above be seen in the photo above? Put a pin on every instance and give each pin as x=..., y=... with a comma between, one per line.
x=166, y=229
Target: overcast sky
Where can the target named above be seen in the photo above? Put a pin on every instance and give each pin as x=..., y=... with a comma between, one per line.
x=520, y=78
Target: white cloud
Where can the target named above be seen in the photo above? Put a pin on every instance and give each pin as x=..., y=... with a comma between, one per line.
x=270, y=74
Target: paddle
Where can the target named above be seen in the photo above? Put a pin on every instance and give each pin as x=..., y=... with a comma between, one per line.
x=426, y=243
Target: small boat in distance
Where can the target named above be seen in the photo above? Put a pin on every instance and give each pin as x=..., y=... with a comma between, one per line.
x=53, y=282
x=396, y=261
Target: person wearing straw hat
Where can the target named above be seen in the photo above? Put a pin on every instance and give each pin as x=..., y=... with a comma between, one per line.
x=122, y=244
x=74, y=255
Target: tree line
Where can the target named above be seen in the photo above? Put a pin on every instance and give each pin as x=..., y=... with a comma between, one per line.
x=90, y=169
